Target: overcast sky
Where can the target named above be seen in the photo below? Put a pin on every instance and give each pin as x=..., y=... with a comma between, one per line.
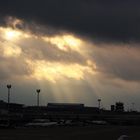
x=74, y=51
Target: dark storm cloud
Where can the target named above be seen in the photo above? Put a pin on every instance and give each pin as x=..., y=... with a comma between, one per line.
x=118, y=61
x=102, y=20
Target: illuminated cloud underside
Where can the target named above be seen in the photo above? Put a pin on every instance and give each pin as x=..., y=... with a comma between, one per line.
x=13, y=40
x=57, y=71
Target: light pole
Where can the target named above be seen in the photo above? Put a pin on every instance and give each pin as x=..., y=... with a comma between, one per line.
x=9, y=87
x=133, y=108
x=8, y=100
x=99, y=103
x=38, y=91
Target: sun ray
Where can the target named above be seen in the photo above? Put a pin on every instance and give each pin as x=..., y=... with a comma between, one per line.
x=56, y=71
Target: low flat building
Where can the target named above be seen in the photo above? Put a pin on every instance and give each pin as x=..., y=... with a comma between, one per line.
x=65, y=105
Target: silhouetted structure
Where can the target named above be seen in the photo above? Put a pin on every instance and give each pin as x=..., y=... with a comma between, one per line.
x=119, y=107
x=3, y=108
x=9, y=87
x=19, y=114
x=112, y=108
x=38, y=91
x=99, y=103
x=65, y=105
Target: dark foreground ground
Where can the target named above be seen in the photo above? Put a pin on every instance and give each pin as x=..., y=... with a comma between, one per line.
x=71, y=133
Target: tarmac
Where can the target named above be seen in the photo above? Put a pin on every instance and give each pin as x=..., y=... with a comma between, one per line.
x=96, y=132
